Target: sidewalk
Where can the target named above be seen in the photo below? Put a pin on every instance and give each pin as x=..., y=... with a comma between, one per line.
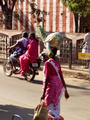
x=79, y=72
x=76, y=71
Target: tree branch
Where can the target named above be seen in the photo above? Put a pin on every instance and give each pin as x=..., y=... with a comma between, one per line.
x=9, y=4
x=14, y=1
x=3, y=6
x=5, y=3
x=1, y=3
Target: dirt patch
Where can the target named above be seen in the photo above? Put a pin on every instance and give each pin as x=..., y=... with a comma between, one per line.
x=78, y=75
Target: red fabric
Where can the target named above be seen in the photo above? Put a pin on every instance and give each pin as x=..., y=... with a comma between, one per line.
x=55, y=85
x=29, y=57
x=49, y=70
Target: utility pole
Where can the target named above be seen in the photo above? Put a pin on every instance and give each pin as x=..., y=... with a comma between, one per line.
x=78, y=23
x=43, y=19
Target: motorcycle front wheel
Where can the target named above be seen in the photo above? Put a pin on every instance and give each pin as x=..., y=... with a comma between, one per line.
x=7, y=67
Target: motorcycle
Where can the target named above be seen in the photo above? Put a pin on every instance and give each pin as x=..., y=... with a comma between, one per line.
x=29, y=76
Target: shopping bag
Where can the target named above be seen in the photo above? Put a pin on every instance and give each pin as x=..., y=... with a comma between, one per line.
x=41, y=112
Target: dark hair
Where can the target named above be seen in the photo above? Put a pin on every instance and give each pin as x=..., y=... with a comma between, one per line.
x=25, y=34
x=33, y=36
x=54, y=50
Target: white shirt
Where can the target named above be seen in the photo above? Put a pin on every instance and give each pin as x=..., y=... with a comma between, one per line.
x=87, y=38
x=24, y=41
x=86, y=47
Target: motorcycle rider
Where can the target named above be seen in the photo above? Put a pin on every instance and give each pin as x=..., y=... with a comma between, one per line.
x=21, y=46
x=30, y=55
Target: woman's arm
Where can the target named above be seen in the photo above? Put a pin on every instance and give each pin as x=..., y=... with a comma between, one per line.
x=46, y=71
x=15, y=45
x=44, y=91
x=64, y=84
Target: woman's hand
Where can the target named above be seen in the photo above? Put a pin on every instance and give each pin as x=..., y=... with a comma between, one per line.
x=66, y=94
x=42, y=97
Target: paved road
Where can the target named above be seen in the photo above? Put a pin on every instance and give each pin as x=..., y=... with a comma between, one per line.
x=21, y=97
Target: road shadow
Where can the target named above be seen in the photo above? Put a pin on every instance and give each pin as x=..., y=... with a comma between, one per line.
x=18, y=77
x=6, y=112
x=34, y=81
x=77, y=87
x=37, y=82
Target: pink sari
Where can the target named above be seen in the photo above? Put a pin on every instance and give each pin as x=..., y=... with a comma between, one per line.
x=29, y=57
x=54, y=87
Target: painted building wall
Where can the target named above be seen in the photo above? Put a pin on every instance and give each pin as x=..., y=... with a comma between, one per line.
x=59, y=18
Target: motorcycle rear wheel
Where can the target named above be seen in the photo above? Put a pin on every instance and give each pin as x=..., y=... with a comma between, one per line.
x=7, y=67
x=30, y=75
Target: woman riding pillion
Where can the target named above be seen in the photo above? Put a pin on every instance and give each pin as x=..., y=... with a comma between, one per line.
x=30, y=55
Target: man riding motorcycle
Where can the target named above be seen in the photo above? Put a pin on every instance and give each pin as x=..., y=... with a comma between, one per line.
x=21, y=46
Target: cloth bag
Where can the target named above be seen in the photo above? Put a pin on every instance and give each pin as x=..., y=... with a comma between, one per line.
x=41, y=112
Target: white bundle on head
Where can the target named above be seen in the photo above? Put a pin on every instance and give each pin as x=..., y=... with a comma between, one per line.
x=53, y=40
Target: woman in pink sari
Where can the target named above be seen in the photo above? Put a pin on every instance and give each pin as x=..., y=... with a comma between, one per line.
x=30, y=55
x=53, y=86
